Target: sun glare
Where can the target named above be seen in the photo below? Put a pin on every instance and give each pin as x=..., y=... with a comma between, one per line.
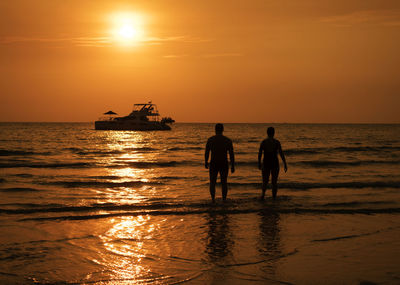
x=127, y=28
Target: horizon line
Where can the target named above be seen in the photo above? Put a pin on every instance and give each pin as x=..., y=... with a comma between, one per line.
x=282, y=123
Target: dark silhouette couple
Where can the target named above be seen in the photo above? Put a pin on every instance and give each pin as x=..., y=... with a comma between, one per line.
x=219, y=146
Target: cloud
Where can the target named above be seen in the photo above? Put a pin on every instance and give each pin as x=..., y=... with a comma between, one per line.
x=11, y=40
x=78, y=41
x=91, y=41
x=165, y=39
x=209, y=55
x=366, y=17
x=175, y=55
x=226, y=54
x=99, y=41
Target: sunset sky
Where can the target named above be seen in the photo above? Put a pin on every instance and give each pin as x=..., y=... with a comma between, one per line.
x=311, y=61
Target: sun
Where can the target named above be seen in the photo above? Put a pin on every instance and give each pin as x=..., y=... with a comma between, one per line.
x=127, y=28
x=127, y=32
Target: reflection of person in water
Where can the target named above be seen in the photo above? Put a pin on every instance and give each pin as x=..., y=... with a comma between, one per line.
x=219, y=242
x=269, y=232
x=219, y=246
x=270, y=166
x=269, y=243
x=219, y=145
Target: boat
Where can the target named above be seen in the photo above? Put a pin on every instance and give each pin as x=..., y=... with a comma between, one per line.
x=144, y=117
x=167, y=120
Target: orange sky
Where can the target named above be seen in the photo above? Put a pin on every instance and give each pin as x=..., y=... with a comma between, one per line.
x=203, y=61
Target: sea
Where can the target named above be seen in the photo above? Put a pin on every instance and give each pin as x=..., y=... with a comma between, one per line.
x=80, y=206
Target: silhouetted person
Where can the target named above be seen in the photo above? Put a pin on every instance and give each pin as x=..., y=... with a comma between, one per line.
x=270, y=166
x=219, y=145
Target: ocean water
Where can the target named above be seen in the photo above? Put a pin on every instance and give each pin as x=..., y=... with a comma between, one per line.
x=79, y=206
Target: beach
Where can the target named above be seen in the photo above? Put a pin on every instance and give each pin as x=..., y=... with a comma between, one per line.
x=80, y=206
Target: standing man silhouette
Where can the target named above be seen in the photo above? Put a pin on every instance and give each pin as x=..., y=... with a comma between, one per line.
x=270, y=166
x=219, y=145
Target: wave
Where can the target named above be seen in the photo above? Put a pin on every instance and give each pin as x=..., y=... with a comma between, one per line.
x=46, y=165
x=294, y=151
x=327, y=163
x=290, y=152
x=153, y=205
x=18, y=189
x=102, y=184
x=114, y=177
x=162, y=164
x=247, y=163
x=287, y=152
x=105, y=177
x=109, y=152
x=186, y=148
x=73, y=149
x=356, y=203
x=99, y=152
x=221, y=211
x=92, y=208
x=333, y=163
x=353, y=184
x=154, y=164
x=320, y=150
x=367, y=148
x=24, y=175
x=287, y=204
x=38, y=208
x=119, y=164
x=247, y=140
x=29, y=205
x=305, y=186
x=170, y=177
x=139, y=149
x=6, y=152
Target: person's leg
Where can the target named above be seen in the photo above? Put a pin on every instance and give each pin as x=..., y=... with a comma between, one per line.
x=274, y=181
x=224, y=182
x=265, y=178
x=213, y=181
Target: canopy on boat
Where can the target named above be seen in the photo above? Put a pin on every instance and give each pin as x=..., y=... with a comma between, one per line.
x=110, y=113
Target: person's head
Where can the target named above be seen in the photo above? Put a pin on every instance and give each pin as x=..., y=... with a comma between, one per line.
x=219, y=128
x=271, y=132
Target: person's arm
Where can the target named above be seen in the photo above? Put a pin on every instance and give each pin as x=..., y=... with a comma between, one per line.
x=260, y=151
x=282, y=157
x=207, y=154
x=232, y=157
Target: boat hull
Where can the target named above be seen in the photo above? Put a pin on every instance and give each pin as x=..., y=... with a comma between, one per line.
x=130, y=126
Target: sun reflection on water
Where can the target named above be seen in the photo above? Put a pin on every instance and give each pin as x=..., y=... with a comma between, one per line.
x=125, y=255
x=124, y=164
x=123, y=243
